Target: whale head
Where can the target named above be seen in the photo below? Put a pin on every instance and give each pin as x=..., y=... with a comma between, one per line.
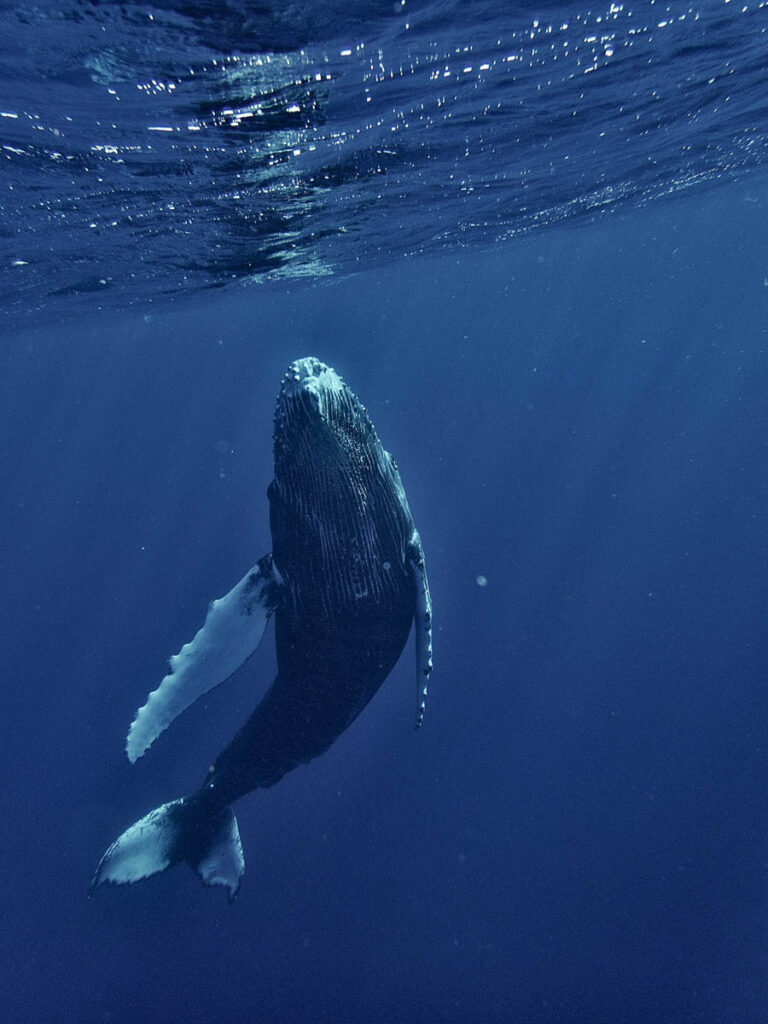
x=322, y=430
x=339, y=517
x=337, y=505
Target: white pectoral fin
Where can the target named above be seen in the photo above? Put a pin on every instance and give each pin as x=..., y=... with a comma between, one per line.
x=423, y=623
x=230, y=634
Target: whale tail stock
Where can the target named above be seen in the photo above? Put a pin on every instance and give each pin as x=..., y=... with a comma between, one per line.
x=181, y=830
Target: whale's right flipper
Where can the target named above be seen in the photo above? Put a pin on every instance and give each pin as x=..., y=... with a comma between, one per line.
x=177, y=831
x=231, y=633
x=423, y=623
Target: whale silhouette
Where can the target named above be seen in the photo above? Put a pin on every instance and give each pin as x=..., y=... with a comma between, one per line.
x=345, y=581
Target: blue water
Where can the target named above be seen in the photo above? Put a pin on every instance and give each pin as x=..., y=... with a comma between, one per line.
x=575, y=393
x=152, y=151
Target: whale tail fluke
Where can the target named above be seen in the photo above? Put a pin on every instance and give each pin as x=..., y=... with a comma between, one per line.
x=176, y=832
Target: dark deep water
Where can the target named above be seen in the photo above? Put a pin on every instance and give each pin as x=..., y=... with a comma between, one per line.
x=579, y=832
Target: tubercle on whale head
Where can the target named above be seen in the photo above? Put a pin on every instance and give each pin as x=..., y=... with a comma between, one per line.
x=313, y=396
x=308, y=375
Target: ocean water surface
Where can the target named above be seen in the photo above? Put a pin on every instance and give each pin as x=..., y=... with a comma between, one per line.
x=534, y=243
x=157, y=150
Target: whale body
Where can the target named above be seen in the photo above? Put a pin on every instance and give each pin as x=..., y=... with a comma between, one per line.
x=345, y=581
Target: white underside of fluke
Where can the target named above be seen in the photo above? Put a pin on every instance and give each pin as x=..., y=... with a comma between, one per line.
x=142, y=850
x=231, y=633
x=164, y=837
x=223, y=863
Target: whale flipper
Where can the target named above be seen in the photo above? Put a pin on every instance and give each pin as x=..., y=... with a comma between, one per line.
x=230, y=634
x=172, y=833
x=423, y=623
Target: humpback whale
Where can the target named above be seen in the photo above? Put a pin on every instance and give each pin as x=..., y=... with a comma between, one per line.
x=345, y=581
